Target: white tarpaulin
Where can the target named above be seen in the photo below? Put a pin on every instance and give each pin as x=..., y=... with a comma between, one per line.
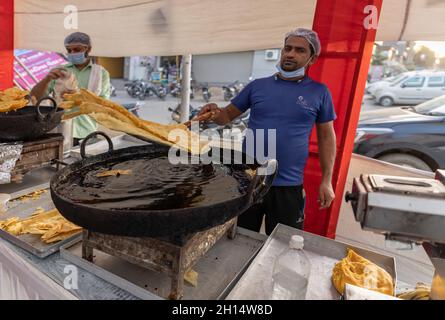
x=170, y=27
x=162, y=27
x=412, y=20
x=19, y=280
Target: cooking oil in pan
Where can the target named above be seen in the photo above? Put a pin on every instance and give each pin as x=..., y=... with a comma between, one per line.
x=153, y=183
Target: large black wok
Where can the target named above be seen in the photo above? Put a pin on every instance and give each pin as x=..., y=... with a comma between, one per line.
x=156, y=223
x=30, y=122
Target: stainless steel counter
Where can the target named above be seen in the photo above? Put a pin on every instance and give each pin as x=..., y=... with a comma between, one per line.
x=323, y=253
x=53, y=268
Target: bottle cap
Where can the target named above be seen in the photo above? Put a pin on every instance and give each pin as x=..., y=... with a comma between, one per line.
x=296, y=242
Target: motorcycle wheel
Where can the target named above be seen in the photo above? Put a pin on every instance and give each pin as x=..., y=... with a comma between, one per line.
x=136, y=92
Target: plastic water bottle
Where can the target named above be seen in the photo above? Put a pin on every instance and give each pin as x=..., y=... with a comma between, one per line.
x=291, y=272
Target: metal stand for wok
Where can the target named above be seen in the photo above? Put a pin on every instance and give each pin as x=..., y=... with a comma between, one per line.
x=173, y=256
x=39, y=153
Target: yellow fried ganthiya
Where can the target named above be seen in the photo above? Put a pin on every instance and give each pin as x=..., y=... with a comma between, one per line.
x=115, y=173
x=421, y=292
x=13, y=99
x=13, y=94
x=50, y=225
x=358, y=271
x=115, y=117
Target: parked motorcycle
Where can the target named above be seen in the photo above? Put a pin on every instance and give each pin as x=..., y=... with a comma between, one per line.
x=133, y=88
x=175, y=90
x=232, y=90
x=133, y=107
x=176, y=116
x=112, y=91
x=193, y=113
x=240, y=122
x=206, y=95
x=150, y=89
x=142, y=89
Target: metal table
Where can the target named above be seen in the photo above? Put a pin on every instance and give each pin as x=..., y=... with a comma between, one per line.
x=90, y=286
x=323, y=253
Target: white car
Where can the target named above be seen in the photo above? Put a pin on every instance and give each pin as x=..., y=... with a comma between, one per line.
x=415, y=88
x=373, y=86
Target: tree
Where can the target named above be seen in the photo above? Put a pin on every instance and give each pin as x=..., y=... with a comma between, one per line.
x=424, y=57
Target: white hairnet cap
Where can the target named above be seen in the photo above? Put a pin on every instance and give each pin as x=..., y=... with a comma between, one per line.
x=310, y=35
x=78, y=38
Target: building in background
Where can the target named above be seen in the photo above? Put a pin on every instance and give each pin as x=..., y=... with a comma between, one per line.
x=213, y=69
x=225, y=68
x=115, y=66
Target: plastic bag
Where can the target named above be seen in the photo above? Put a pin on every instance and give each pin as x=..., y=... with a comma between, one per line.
x=66, y=83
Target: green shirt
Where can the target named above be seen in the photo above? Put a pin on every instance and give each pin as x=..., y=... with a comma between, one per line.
x=83, y=125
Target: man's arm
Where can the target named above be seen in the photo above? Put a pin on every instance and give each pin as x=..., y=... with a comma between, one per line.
x=39, y=90
x=221, y=116
x=326, y=150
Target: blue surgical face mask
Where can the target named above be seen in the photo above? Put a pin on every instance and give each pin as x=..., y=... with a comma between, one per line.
x=76, y=58
x=292, y=74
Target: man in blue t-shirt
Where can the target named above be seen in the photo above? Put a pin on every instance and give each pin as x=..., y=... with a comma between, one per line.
x=290, y=103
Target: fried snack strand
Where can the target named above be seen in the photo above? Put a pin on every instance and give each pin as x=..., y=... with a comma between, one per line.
x=116, y=172
x=13, y=99
x=116, y=117
x=50, y=225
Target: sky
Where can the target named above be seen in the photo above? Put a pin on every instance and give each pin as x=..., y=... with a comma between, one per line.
x=437, y=46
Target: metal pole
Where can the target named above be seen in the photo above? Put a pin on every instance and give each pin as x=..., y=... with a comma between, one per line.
x=347, y=96
x=185, y=85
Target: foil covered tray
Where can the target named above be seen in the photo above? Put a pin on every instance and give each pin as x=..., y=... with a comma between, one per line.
x=23, y=207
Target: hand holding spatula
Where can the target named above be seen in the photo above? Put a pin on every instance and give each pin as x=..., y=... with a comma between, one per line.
x=208, y=113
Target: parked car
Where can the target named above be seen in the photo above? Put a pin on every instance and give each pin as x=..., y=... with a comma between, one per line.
x=416, y=88
x=371, y=87
x=407, y=136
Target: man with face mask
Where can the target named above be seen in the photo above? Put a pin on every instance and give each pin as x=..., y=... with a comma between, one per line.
x=89, y=76
x=290, y=103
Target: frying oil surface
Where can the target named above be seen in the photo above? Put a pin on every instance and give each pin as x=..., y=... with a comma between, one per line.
x=153, y=183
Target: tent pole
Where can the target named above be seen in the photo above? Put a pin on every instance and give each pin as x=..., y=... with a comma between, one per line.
x=343, y=66
x=185, y=85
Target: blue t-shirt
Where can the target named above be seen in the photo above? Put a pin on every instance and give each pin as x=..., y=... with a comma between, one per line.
x=291, y=108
